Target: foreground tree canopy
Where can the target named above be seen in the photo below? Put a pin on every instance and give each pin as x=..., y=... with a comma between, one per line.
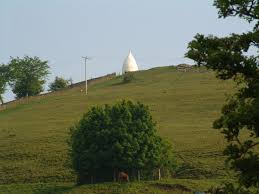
x=231, y=58
x=117, y=138
x=27, y=75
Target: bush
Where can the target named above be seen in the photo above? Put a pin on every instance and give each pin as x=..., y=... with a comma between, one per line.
x=128, y=77
x=229, y=188
x=117, y=138
x=58, y=84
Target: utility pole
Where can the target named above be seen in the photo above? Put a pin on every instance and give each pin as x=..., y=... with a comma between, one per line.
x=86, y=58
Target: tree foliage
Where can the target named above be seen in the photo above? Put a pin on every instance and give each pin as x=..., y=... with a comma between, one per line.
x=27, y=75
x=114, y=138
x=3, y=80
x=197, y=50
x=245, y=9
x=230, y=188
x=58, y=84
x=231, y=58
x=128, y=77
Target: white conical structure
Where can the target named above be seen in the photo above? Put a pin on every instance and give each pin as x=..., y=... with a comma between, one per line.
x=129, y=64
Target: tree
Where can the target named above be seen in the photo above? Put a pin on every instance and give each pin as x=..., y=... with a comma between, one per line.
x=116, y=138
x=3, y=80
x=231, y=58
x=58, y=84
x=197, y=50
x=27, y=75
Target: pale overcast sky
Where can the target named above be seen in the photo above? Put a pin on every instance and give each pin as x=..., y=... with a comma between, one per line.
x=61, y=31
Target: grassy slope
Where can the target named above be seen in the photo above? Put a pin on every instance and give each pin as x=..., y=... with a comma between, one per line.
x=176, y=186
x=33, y=136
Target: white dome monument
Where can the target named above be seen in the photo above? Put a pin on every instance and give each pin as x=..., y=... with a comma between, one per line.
x=129, y=64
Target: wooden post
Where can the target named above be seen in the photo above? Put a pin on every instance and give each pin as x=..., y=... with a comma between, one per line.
x=138, y=175
x=114, y=175
x=92, y=179
x=159, y=174
x=27, y=98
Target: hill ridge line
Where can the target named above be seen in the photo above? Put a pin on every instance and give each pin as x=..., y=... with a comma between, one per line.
x=26, y=99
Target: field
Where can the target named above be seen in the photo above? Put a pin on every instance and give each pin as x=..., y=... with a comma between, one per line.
x=33, y=136
x=176, y=186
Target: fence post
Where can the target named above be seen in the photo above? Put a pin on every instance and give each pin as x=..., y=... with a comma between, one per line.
x=159, y=174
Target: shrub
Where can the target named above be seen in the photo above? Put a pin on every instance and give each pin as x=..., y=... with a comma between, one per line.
x=128, y=77
x=58, y=84
x=229, y=188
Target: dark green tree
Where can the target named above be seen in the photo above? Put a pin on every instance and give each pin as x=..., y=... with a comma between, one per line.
x=236, y=57
x=4, y=78
x=58, y=84
x=27, y=75
x=197, y=50
x=128, y=77
x=116, y=138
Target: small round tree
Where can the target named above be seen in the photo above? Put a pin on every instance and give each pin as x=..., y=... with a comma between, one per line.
x=128, y=77
x=58, y=84
x=117, y=138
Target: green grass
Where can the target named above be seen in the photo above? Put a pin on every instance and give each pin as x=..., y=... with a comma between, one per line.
x=33, y=136
x=177, y=186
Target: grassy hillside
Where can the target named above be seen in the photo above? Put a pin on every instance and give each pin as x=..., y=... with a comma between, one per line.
x=176, y=186
x=33, y=136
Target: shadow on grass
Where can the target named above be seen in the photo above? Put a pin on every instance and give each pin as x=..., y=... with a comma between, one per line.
x=122, y=82
x=54, y=189
x=119, y=83
x=172, y=187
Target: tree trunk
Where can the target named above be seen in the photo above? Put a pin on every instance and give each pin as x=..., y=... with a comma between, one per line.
x=159, y=174
x=92, y=179
x=26, y=98
x=1, y=99
x=114, y=175
x=133, y=174
x=138, y=175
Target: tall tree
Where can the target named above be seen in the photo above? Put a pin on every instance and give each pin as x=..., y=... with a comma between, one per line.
x=3, y=80
x=27, y=75
x=231, y=58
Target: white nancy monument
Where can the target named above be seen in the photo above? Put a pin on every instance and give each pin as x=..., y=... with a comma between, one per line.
x=129, y=64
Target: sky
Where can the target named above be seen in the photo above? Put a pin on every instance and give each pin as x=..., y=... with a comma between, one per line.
x=62, y=31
